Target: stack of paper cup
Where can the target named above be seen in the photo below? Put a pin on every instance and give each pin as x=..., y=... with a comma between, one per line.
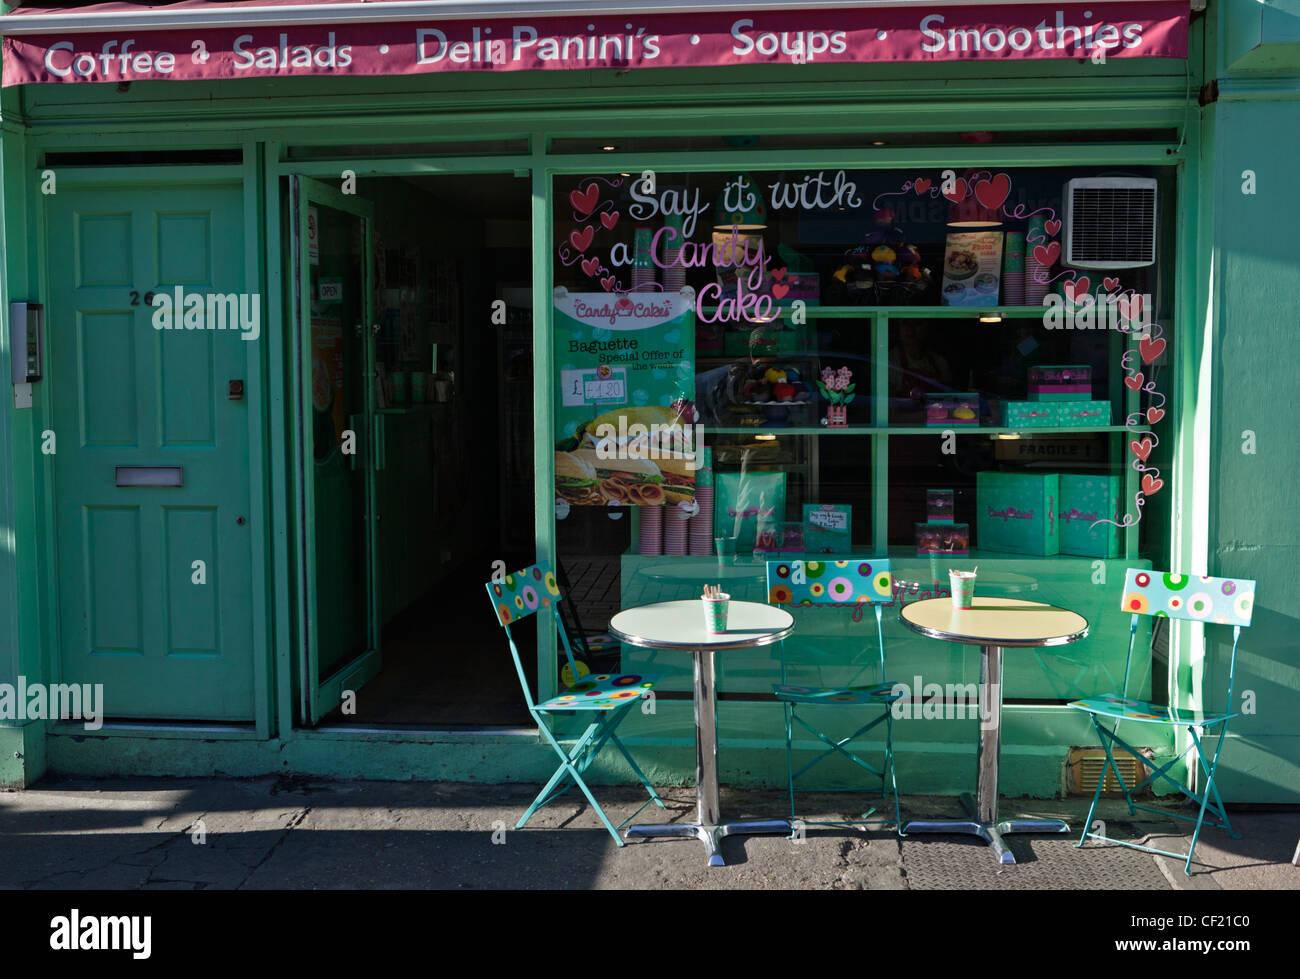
x=701, y=525
x=1013, y=270
x=674, y=529
x=643, y=267
x=674, y=274
x=701, y=529
x=652, y=530
x=1035, y=290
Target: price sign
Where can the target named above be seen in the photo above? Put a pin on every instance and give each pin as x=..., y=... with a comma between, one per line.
x=594, y=386
x=611, y=389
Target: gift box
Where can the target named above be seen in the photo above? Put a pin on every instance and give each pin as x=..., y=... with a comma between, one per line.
x=828, y=528
x=953, y=408
x=1060, y=382
x=1082, y=414
x=1029, y=414
x=780, y=539
x=938, y=505
x=1085, y=500
x=802, y=287
x=1017, y=512
x=949, y=539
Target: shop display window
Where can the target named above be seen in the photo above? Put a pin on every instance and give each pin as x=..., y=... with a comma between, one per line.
x=836, y=345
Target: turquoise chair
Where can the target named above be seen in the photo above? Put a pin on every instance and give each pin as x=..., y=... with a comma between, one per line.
x=1225, y=601
x=845, y=583
x=605, y=697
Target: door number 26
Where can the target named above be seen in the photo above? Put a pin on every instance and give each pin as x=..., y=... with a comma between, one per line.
x=135, y=298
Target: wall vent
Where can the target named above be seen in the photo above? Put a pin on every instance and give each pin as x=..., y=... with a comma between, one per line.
x=1110, y=222
x=1084, y=766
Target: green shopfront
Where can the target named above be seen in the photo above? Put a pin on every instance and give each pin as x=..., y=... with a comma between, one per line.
x=330, y=303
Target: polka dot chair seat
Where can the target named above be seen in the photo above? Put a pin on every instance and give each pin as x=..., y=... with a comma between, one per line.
x=605, y=691
x=1128, y=709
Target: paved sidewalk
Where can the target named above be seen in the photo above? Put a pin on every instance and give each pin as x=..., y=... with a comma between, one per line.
x=303, y=833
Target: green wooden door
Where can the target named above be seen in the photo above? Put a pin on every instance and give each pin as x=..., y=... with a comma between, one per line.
x=340, y=444
x=154, y=592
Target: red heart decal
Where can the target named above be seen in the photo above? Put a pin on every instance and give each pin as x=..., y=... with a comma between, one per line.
x=1077, y=289
x=582, y=239
x=778, y=274
x=584, y=204
x=1151, y=485
x=779, y=290
x=1154, y=415
x=590, y=266
x=1151, y=349
x=1134, y=383
x=1110, y=283
x=608, y=283
x=958, y=192
x=1046, y=256
x=1130, y=307
x=1141, y=449
x=993, y=193
x=1052, y=228
x=609, y=219
x=625, y=303
x=921, y=185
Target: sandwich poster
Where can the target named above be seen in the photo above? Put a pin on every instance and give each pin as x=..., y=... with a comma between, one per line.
x=626, y=373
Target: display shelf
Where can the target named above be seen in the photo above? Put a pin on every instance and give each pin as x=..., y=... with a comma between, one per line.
x=906, y=430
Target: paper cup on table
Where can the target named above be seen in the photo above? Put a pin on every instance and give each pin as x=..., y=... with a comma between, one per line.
x=715, y=613
x=962, y=584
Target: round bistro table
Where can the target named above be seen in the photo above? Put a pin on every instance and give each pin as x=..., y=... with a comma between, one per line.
x=679, y=627
x=993, y=624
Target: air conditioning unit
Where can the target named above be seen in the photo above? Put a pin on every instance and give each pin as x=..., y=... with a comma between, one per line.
x=1110, y=222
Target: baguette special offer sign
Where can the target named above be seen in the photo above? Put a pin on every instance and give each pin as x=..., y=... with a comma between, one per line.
x=912, y=33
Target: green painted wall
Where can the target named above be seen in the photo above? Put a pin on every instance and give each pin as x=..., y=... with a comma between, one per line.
x=1254, y=278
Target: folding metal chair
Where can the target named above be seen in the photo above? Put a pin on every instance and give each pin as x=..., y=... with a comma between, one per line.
x=606, y=696
x=1225, y=601
x=846, y=583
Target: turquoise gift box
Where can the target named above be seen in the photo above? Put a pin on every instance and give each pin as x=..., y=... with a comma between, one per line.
x=1017, y=512
x=1085, y=500
x=1055, y=414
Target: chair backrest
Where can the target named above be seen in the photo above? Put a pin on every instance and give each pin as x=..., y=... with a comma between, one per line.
x=1226, y=601
x=1196, y=598
x=829, y=582
x=832, y=583
x=517, y=596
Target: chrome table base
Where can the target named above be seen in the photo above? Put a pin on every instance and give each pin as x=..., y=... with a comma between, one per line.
x=984, y=821
x=708, y=827
x=990, y=832
x=712, y=836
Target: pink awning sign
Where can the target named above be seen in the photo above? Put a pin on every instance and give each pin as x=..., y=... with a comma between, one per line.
x=916, y=33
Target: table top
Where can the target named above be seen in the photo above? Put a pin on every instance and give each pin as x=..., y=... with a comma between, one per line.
x=680, y=625
x=1008, y=622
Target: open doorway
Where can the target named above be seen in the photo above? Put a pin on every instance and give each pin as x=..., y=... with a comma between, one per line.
x=412, y=356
